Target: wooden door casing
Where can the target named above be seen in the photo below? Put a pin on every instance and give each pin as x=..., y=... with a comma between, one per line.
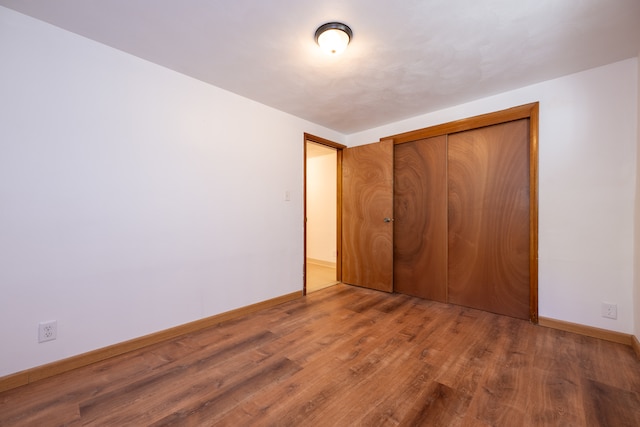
x=338, y=147
x=420, y=226
x=367, y=199
x=489, y=218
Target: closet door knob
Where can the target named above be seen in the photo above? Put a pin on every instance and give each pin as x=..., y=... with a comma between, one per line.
x=388, y=219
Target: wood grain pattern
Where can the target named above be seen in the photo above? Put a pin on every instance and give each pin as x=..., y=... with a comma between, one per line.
x=528, y=111
x=349, y=356
x=488, y=170
x=367, y=198
x=420, y=227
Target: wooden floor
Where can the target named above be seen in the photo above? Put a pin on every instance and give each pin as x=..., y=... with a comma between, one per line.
x=347, y=356
x=319, y=276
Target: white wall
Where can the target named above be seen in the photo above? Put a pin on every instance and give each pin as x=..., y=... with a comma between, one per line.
x=322, y=207
x=133, y=198
x=588, y=142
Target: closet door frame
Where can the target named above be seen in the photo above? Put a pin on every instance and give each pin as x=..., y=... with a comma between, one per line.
x=527, y=111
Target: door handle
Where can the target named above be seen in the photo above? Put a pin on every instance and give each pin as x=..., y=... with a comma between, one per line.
x=388, y=220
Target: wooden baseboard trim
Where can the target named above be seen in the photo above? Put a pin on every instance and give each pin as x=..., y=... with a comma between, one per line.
x=321, y=262
x=58, y=367
x=590, y=331
x=635, y=343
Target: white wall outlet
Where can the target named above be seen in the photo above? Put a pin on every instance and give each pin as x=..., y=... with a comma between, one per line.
x=609, y=310
x=47, y=331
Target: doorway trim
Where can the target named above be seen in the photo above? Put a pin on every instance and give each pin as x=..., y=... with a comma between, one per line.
x=527, y=111
x=338, y=147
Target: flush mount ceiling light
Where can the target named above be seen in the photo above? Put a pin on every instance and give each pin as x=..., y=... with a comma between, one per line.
x=333, y=37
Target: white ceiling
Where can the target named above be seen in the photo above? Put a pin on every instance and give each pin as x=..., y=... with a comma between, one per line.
x=407, y=57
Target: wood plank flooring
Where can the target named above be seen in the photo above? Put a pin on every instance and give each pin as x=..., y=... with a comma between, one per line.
x=347, y=356
x=320, y=276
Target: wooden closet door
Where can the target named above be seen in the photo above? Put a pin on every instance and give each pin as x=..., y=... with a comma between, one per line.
x=420, y=210
x=488, y=193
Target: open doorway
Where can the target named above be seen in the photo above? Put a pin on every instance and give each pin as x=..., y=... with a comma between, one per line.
x=321, y=215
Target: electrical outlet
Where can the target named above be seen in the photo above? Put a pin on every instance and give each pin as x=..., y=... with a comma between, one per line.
x=609, y=310
x=47, y=331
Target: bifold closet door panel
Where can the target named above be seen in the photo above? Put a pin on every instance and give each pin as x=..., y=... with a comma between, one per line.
x=420, y=211
x=488, y=199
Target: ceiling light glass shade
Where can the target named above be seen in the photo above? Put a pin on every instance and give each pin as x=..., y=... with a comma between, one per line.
x=333, y=37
